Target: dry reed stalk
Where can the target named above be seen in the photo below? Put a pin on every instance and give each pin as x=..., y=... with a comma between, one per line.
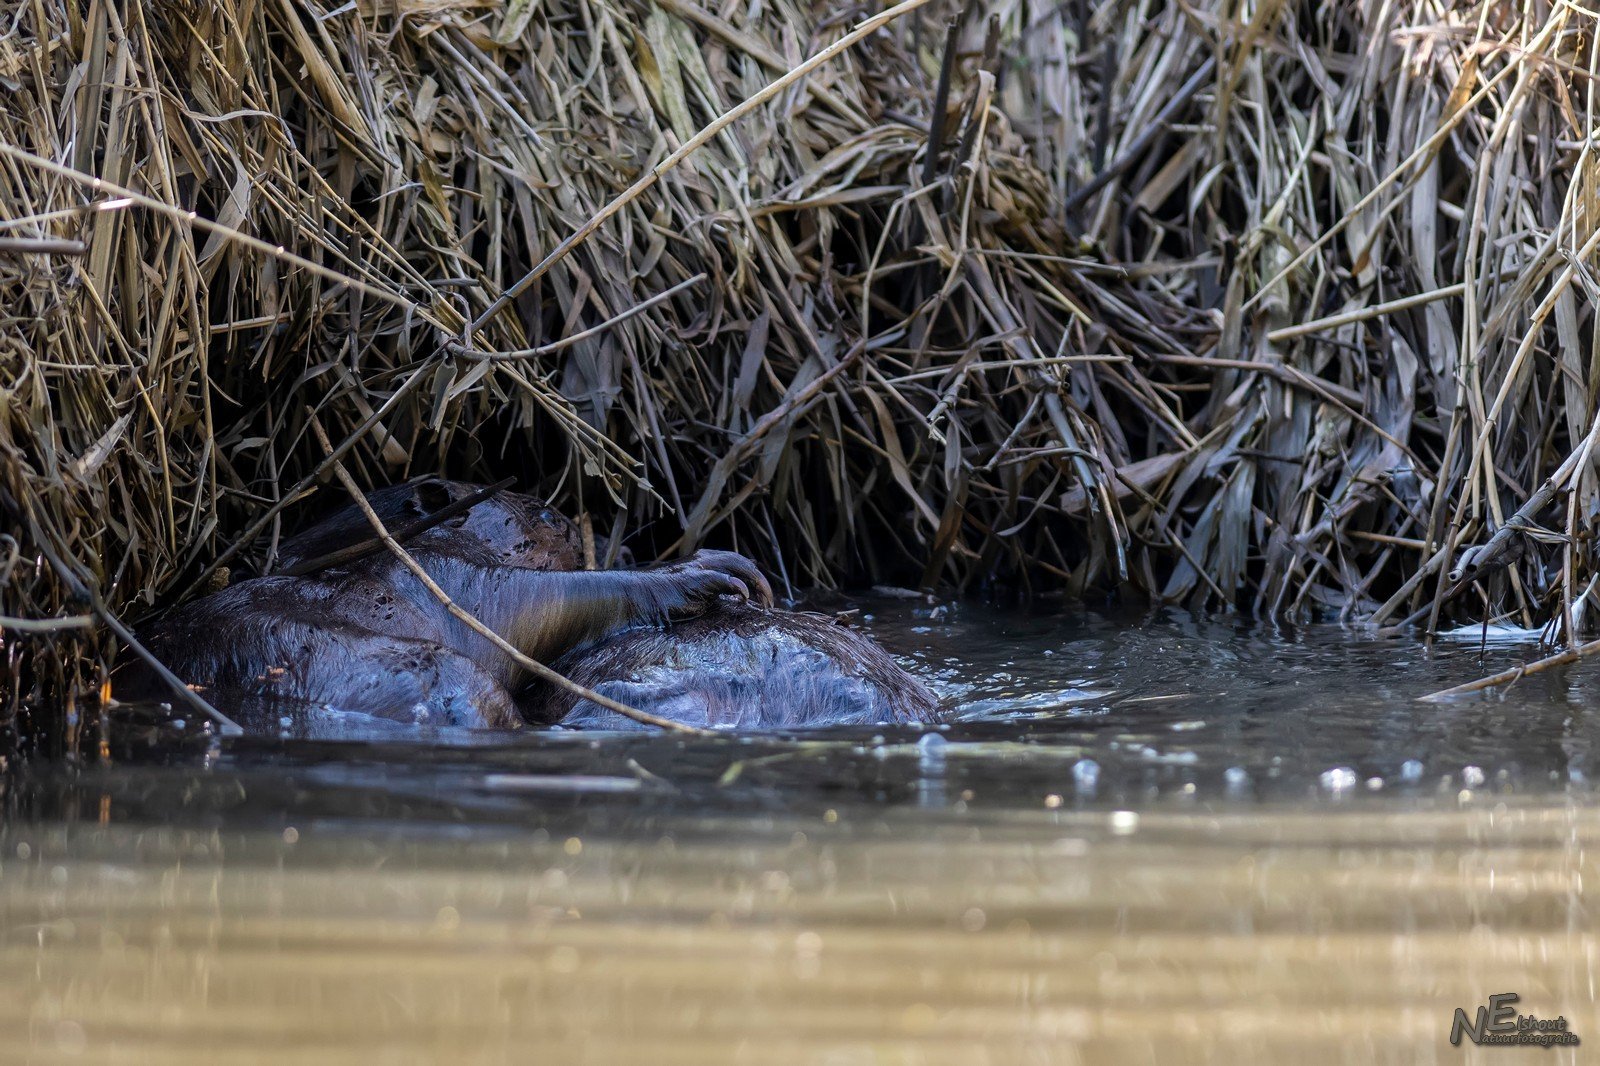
x=1516, y=673
x=1279, y=306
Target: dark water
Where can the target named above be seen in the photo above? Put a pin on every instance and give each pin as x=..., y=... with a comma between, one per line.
x=1064, y=707
x=1144, y=838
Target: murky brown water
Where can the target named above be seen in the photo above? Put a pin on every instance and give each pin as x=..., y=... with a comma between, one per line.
x=1166, y=841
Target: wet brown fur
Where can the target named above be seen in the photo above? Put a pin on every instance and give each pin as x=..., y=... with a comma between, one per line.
x=370, y=638
x=742, y=666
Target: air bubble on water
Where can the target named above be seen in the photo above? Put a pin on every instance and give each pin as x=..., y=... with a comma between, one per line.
x=1086, y=774
x=1471, y=776
x=1374, y=784
x=1411, y=770
x=1237, y=778
x=1339, y=779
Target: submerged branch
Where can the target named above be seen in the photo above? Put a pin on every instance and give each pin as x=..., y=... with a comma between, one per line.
x=1516, y=673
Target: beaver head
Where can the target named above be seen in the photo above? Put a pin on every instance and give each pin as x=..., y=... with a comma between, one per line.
x=516, y=529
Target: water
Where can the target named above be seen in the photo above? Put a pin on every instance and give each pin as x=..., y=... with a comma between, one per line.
x=1148, y=838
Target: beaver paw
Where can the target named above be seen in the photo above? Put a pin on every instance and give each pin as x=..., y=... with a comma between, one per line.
x=698, y=580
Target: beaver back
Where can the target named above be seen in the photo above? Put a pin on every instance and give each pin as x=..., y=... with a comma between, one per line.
x=738, y=666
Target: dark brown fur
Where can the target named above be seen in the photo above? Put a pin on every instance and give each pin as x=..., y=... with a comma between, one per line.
x=370, y=638
x=521, y=530
x=742, y=666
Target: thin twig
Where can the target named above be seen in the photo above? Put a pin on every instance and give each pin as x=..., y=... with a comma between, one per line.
x=351, y=552
x=85, y=591
x=41, y=246
x=304, y=484
x=593, y=331
x=1361, y=314
x=693, y=144
x=1136, y=148
x=1516, y=673
x=205, y=225
x=225, y=725
x=466, y=618
x=46, y=625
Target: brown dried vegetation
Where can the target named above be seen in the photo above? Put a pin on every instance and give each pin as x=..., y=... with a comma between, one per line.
x=1272, y=305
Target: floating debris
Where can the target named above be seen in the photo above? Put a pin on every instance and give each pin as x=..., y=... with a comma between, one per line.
x=1033, y=704
x=560, y=783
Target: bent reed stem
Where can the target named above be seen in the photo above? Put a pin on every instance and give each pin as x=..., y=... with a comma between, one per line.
x=466, y=618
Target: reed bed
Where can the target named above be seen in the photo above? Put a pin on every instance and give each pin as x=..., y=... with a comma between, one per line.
x=1279, y=307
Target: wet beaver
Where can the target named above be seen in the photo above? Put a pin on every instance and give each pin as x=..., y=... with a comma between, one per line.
x=368, y=638
x=741, y=666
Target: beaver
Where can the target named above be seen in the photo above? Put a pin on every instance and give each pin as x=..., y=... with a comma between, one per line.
x=739, y=666
x=365, y=638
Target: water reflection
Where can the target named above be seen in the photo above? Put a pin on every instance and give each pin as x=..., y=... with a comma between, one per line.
x=1176, y=840
x=1065, y=703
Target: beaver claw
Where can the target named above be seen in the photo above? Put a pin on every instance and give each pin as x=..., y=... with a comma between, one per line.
x=705, y=575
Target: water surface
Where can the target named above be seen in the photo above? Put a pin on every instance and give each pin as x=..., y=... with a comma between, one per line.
x=1145, y=838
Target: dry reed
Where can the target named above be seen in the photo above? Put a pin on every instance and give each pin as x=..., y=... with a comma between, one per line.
x=1274, y=306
